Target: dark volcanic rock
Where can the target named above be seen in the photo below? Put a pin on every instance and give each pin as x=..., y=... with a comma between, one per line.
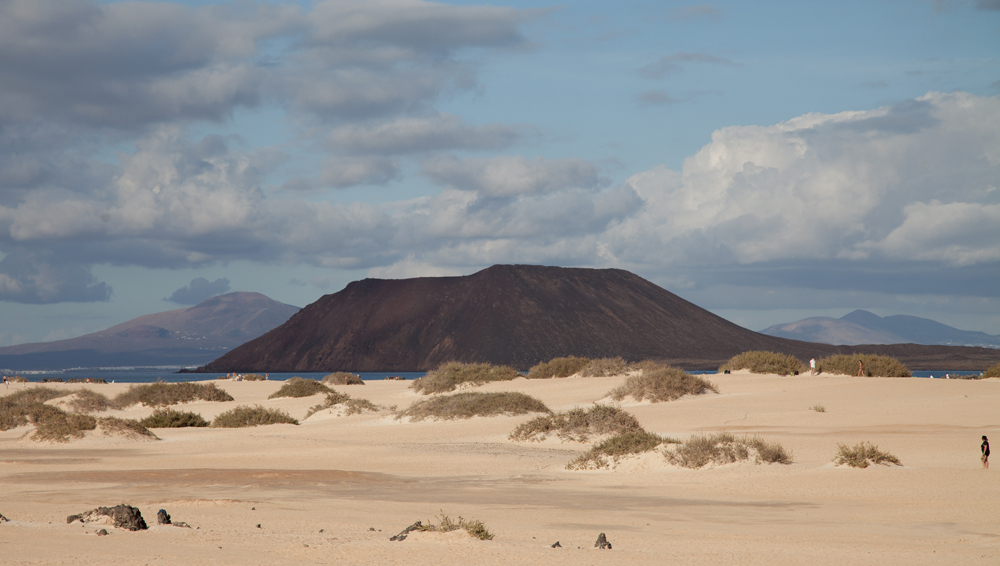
x=602, y=542
x=518, y=315
x=162, y=517
x=122, y=516
x=402, y=534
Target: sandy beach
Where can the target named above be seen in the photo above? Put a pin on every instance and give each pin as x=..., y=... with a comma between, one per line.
x=334, y=489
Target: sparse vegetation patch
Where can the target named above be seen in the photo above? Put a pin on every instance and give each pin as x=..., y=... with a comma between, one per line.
x=818, y=408
x=473, y=404
x=992, y=371
x=605, y=367
x=615, y=448
x=661, y=383
x=88, y=401
x=862, y=454
x=343, y=378
x=724, y=448
x=298, y=387
x=760, y=361
x=163, y=394
x=578, y=424
x=452, y=374
x=558, y=367
x=58, y=426
x=870, y=365
x=124, y=427
x=169, y=418
x=26, y=406
x=244, y=416
x=475, y=528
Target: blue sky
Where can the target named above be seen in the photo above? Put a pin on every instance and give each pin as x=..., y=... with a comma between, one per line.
x=768, y=161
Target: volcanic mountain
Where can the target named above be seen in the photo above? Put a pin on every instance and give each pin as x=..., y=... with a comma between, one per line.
x=518, y=315
x=182, y=337
x=863, y=327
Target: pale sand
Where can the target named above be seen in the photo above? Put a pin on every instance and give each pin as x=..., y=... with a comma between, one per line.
x=345, y=475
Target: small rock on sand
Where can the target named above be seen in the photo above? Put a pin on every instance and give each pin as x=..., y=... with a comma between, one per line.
x=602, y=542
x=122, y=516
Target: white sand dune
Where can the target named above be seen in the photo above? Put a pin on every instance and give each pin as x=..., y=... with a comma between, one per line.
x=318, y=489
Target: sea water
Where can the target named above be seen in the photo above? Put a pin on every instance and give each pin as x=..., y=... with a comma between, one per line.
x=169, y=374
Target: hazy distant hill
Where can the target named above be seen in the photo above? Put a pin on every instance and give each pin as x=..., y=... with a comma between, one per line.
x=519, y=315
x=863, y=327
x=189, y=336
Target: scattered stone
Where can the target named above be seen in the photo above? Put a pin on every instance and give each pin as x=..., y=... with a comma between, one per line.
x=162, y=517
x=2, y=518
x=253, y=508
x=321, y=530
x=402, y=535
x=371, y=528
x=182, y=524
x=258, y=525
x=557, y=545
x=122, y=516
x=602, y=542
x=102, y=533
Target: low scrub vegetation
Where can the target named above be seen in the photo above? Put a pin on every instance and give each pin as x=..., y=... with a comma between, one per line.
x=88, y=401
x=343, y=378
x=760, y=361
x=244, y=416
x=253, y=377
x=578, y=424
x=56, y=425
x=298, y=387
x=558, y=367
x=23, y=407
x=862, y=454
x=612, y=450
x=659, y=383
x=724, y=448
x=169, y=418
x=452, y=374
x=818, y=408
x=605, y=367
x=476, y=529
x=124, y=427
x=992, y=371
x=162, y=394
x=868, y=365
x=351, y=406
x=473, y=404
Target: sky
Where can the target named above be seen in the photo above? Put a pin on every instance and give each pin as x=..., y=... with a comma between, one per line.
x=768, y=161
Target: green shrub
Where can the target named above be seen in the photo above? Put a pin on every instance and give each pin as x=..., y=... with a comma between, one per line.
x=578, y=424
x=617, y=447
x=873, y=366
x=760, y=361
x=343, y=378
x=169, y=418
x=558, y=367
x=473, y=404
x=452, y=374
x=23, y=407
x=161, y=394
x=992, y=371
x=724, y=448
x=605, y=367
x=860, y=455
x=298, y=387
x=124, y=427
x=244, y=416
x=88, y=401
x=661, y=383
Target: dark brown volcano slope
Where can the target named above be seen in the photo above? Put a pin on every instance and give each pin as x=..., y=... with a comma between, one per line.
x=516, y=315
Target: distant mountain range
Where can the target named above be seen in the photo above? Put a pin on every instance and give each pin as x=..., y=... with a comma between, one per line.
x=183, y=337
x=863, y=327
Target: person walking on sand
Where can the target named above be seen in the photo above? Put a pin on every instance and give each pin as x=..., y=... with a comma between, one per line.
x=986, y=453
x=861, y=369
x=812, y=366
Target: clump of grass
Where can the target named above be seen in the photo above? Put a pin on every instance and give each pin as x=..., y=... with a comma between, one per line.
x=161, y=394
x=88, y=401
x=358, y=406
x=473, y=404
x=169, y=418
x=992, y=371
x=244, y=416
x=332, y=398
x=661, y=383
x=871, y=365
x=578, y=424
x=23, y=407
x=298, y=387
x=558, y=367
x=724, y=448
x=818, y=408
x=253, y=377
x=861, y=454
x=760, y=361
x=617, y=447
x=55, y=425
x=475, y=528
x=605, y=367
x=343, y=378
x=124, y=427
x=452, y=374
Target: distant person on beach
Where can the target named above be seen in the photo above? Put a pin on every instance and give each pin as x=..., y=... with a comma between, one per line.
x=812, y=366
x=5, y=382
x=986, y=453
x=861, y=369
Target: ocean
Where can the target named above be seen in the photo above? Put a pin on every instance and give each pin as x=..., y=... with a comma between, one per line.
x=169, y=374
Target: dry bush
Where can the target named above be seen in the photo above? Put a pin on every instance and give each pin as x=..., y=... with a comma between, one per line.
x=88, y=401
x=617, y=447
x=861, y=454
x=169, y=418
x=473, y=404
x=578, y=424
x=874, y=366
x=452, y=374
x=244, y=416
x=22, y=407
x=605, y=367
x=124, y=427
x=724, y=448
x=661, y=383
x=992, y=371
x=476, y=529
x=298, y=387
x=760, y=361
x=253, y=377
x=332, y=398
x=818, y=408
x=358, y=406
x=343, y=378
x=161, y=394
x=558, y=367
x=55, y=425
